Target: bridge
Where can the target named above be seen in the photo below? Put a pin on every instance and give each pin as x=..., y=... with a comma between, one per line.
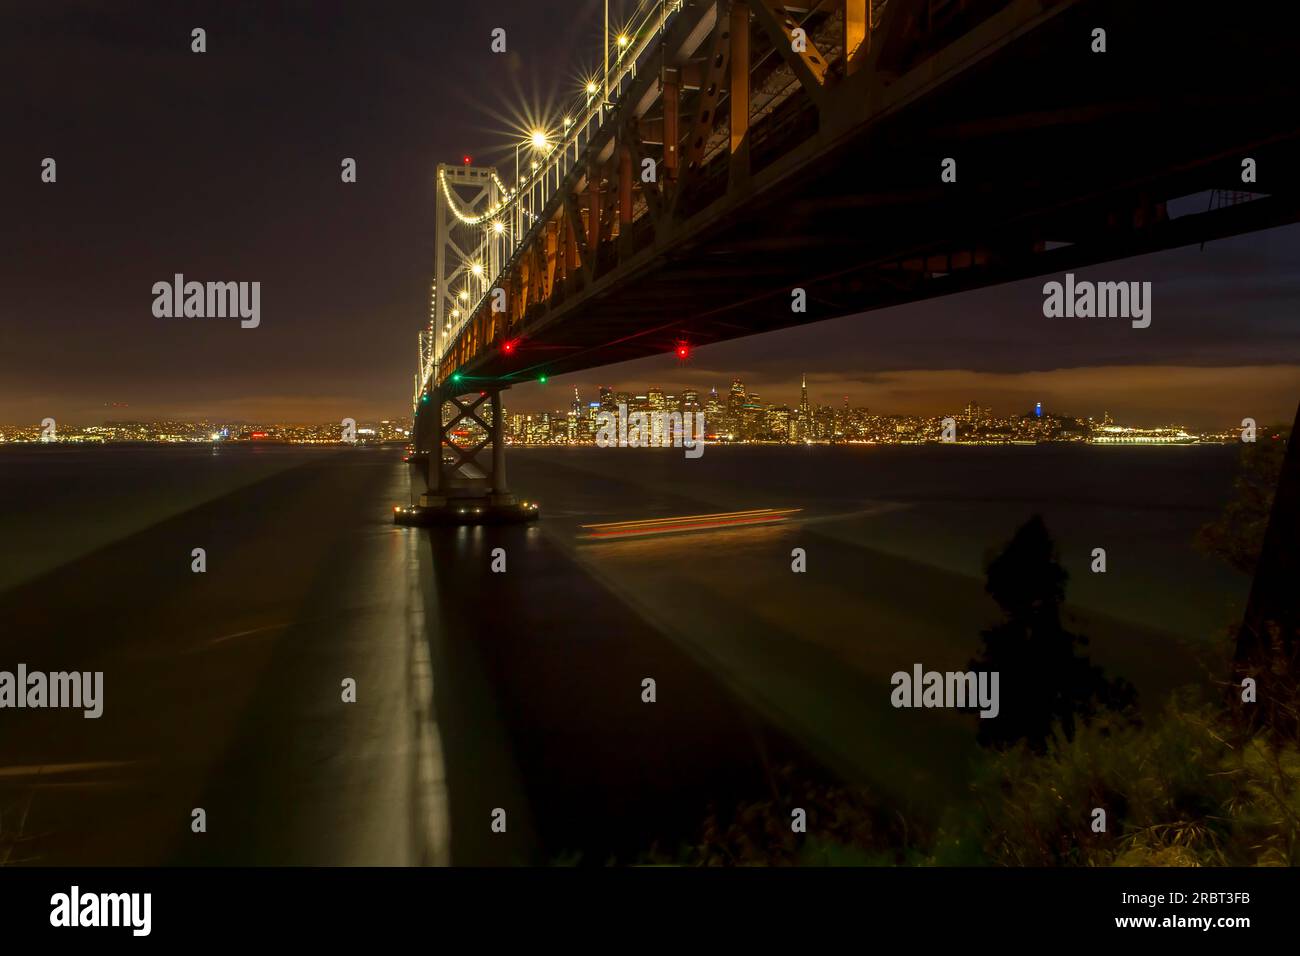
x=740, y=166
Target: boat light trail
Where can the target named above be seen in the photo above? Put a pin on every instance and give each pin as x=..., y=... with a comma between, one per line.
x=710, y=522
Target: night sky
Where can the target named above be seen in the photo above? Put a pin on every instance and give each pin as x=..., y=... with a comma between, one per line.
x=225, y=167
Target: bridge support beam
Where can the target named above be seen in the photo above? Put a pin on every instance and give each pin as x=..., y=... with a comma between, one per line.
x=857, y=33
x=740, y=93
x=453, y=430
x=672, y=131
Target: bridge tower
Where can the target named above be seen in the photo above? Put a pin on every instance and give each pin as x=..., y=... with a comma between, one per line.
x=459, y=424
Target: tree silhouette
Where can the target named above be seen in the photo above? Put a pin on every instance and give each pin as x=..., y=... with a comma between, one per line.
x=1042, y=681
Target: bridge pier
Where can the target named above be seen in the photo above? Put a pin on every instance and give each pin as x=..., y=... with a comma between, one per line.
x=459, y=488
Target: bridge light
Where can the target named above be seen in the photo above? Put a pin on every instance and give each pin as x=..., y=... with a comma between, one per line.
x=541, y=379
x=539, y=139
x=498, y=227
x=463, y=295
x=477, y=269
x=592, y=88
x=568, y=121
x=455, y=376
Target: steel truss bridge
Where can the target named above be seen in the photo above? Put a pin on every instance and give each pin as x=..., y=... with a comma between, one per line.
x=738, y=150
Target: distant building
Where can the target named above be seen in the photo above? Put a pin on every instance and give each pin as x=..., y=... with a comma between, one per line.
x=736, y=400
x=780, y=423
x=803, y=421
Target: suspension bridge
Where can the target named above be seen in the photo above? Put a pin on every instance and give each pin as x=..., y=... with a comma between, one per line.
x=734, y=157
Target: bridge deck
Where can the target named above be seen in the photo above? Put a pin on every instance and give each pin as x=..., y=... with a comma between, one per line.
x=1065, y=157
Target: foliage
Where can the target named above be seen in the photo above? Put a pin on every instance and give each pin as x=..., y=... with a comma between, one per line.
x=1189, y=788
x=1186, y=791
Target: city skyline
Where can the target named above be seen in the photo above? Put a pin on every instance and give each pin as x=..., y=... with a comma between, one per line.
x=741, y=414
x=1203, y=398
x=737, y=413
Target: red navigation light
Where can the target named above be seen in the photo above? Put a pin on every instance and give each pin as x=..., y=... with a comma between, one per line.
x=508, y=347
x=683, y=351
x=467, y=160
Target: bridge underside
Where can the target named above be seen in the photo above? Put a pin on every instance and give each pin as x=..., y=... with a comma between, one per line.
x=1064, y=158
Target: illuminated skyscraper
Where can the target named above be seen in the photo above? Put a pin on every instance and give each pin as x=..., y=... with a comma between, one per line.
x=803, y=429
x=779, y=422
x=737, y=398
x=713, y=414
